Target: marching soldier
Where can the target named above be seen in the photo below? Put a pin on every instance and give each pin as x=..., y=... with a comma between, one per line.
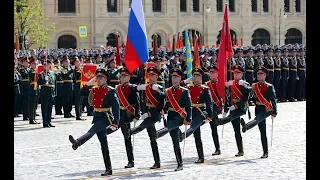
x=201, y=110
x=59, y=87
x=33, y=91
x=292, y=75
x=266, y=105
x=239, y=94
x=67, y=75
x=155, y=103
x=16, y=89
x=77, y=81
x=301, y=84
x=157, y=60
x=277, y=72
x=217, y=106
x=106, y=114
x=284, y=75
x=24, y=88
x=269, y=64
x=129, y=109
x=47, y=82
x=178, y=104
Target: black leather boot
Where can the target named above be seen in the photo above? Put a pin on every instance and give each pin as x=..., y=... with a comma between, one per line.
x=217, y=145
x=156, y=156
x=200, y=153
x=188, y=133
x=107, y=163
x=129, y=150
x=240, y=147
x=162, y=132
x=265, y=148
x=179, y=159
x=81, y=140
x=249, y=125
x=135, y=130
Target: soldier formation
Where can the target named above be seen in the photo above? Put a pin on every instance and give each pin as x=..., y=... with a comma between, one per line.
x=257, y=75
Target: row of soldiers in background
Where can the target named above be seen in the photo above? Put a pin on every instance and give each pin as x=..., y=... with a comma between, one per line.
x=286, y=66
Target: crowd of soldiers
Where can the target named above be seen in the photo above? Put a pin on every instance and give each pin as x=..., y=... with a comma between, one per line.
x=257, y=75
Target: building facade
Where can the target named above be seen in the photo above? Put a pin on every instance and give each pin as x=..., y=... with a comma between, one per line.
x=251, y=21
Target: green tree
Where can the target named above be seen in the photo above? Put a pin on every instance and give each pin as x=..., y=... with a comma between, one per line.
x=30, y=24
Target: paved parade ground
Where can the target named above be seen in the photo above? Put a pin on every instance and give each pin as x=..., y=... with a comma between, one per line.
x=46, y=153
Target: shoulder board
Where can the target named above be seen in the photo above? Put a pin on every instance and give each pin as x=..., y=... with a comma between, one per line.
x=110, y=87
x=183, y=88
x=268, y=84
x=253, y=84
x=204, y=86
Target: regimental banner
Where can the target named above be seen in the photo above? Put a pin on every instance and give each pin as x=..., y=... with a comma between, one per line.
x=88, y=72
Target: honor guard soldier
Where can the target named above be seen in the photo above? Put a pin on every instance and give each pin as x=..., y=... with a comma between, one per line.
x=114, y=74
x=158, y=61
x=238, y=105
x=129, y=109
x=249, y=61
x=59, y=87
x=258, y=61
x=47, y=81
x=155, y=103
x=178, y=105
x=217, y=106
x=240, y=60
x=266, y=105
x=277, y=72
x=67, y=96
x=284, y=75
x=33, y=91
x=77, y=81
x=106, y=114
x=269, y=64
x=25, y=87
x=16, y=89
x=201, y=110
x=301, y=84
x=293, y=76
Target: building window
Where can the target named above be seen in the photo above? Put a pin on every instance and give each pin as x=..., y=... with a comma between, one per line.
x=233, y=37
x=112, y=5
x=111, y=40
x=260, y=36
x=287, y=5
x=196, y=6
x=183, y=6
x=66, y=6
x=67, y=41
x=293, y=36
x=232, y=6
x=158, y=40
x=265, y=6
x=156, y=5
x=219, y=5
x=298, y=6
x=254, y=6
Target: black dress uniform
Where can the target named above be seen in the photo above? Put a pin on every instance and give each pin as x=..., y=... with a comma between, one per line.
x=67, y=92
x=46, y=95
x=114, y=76
x=293, y=61
x=16, y=92
x=284, y=77
x=239, y=94
x=129, y=109
x=78, y=99
x=249, y=75
x=24, y=88
x=277, y=75
x=201, y=110
x=178, y=106
x=135, y=77
x=266, y=105
x=33, y=94
x=106, y=113
x=155, y=104
x=301, y=83
x=269, y=64
x=59, y=91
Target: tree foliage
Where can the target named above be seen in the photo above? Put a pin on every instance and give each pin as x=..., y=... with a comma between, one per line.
x=30, y=23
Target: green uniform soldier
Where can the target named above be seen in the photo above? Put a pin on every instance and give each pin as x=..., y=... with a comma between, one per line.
x=114, y=75
x=33, y=92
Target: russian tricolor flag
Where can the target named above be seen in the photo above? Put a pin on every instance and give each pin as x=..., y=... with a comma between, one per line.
x=137, y=51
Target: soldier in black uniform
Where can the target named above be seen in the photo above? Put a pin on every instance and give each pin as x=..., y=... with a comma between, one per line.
x=277, y=72
x=158, y=61
x=77, y=81
x=59, y=87
x=16, y=89
x=240, y=60
x=266, y=105
x=259, y=59
x=284, y=75
x=301, y=83
x=47, y=81
x=114, y=74
x=249, y=61
x=33, y=91
x=106, y=114
x=292, y=75
x=238, y=105
x=201, y=110
x=155, y=103
x=67, y=92
x=178, y=105
x=24, y=88
x=269, y=64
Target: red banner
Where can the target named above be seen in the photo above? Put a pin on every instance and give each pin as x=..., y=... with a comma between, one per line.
x=88, y=72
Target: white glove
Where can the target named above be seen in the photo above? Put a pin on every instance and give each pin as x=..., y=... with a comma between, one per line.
x=120, y=67
x=206, y=120
x=73, y=67
x=231, y=108
x=224, y=115
x=141, y=87
x=156, y=87
x=112, y=127
x=91, y=81
x=187, y=80
x=135, y=120
x=272, y=117
x=241, y=82
x=164, y=67
x=297, y=78
x=144, y=116
x=229, y=83
x=46, y=78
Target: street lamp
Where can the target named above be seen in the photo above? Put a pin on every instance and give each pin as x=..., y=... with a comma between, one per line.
x=208, y=9
x=284, y=15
